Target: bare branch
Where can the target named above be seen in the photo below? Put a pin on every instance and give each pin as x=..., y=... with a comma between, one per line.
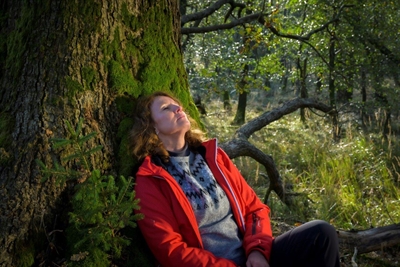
x=208, y=11
x=240, y=146
x=258, y=16
x=266, y=118
x=226, y=26
x=306, y=37
x=233, y=6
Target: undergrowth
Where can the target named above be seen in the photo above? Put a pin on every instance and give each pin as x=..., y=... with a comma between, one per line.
x=353, y=184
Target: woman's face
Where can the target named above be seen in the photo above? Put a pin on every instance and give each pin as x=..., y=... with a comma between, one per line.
x=169, y=118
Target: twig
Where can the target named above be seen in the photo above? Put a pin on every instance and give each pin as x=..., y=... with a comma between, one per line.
x=353, y=259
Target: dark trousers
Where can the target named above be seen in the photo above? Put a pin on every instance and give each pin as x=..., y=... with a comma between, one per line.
x=313, y=244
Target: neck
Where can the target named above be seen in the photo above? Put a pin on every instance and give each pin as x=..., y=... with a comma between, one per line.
x=173, y=144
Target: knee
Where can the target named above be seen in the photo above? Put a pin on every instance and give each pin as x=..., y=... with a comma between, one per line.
x=325, y=230
x=326, y=227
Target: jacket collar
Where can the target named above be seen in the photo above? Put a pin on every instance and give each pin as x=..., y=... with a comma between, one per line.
x=154, y=166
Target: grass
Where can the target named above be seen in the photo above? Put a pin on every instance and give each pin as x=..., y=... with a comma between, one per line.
x=353, y=184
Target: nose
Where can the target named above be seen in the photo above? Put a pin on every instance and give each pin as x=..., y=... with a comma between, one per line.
x=178, y=108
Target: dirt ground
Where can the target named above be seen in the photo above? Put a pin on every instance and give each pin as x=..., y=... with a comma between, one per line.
x=387, y=257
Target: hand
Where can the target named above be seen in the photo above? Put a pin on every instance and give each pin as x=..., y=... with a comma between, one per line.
x=256, y=259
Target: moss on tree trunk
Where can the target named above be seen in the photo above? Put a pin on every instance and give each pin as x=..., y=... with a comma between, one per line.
x=64, y=60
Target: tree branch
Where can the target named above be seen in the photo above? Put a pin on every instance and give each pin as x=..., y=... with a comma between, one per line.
x=226, y=26
x=266, y=118
x=210, y=10
x=258, y=16
x=384, y=50
x=307, y=36
x=240, y=146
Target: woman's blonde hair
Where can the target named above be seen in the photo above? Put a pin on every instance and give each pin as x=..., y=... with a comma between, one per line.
x=143, y=138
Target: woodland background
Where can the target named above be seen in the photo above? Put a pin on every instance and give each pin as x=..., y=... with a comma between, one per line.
x=303, y=95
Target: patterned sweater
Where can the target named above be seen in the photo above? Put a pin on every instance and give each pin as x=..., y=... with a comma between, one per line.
x=219, y=231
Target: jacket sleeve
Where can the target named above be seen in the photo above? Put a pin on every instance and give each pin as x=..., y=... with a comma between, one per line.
x=162, y=232
x=257, y=224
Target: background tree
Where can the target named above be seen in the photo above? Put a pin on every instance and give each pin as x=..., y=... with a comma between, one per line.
x=334, y=42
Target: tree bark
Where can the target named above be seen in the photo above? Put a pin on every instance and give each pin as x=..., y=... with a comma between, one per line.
x=65, y=60
x=240, y=116
x=370, y=240
x=302, y=66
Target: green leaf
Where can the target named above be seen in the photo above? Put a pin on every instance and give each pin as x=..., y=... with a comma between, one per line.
x=87, y=137
x=70, y=129
x=59, y=142
x=79, y=127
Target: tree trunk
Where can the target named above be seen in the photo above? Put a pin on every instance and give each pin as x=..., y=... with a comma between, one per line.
x=302, y=66
x=363, y=84
x=240, y=115
x=332, y=95
x=64, y=60
x=332, y=89
x=226, y=100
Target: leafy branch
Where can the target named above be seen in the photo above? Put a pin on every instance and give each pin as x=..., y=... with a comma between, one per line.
x=80, y=154
x=102, y=206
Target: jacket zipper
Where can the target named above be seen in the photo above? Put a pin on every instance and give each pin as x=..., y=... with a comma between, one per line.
x=230, y=189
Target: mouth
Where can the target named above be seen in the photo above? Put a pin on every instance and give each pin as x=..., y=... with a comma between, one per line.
x=180, y=117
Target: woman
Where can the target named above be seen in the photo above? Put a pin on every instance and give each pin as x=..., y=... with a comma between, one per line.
x=198, y=209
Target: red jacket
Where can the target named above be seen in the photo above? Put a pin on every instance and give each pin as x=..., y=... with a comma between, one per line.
x=169, y=225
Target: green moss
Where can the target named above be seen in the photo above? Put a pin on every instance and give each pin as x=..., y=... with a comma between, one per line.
x=126, y=161
x=26, y=255
x=27, y=250
x=130, y=20
x=125, y=104
x=146, y=66
x=17, y=40
x=121, y=72
x=124, y=127
x=16, y=43
x=55, y=101
x=87, y=12
x=121, y=80
x=3, y=39
x=90, y=78
x=6, y=126
x=73, y=87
